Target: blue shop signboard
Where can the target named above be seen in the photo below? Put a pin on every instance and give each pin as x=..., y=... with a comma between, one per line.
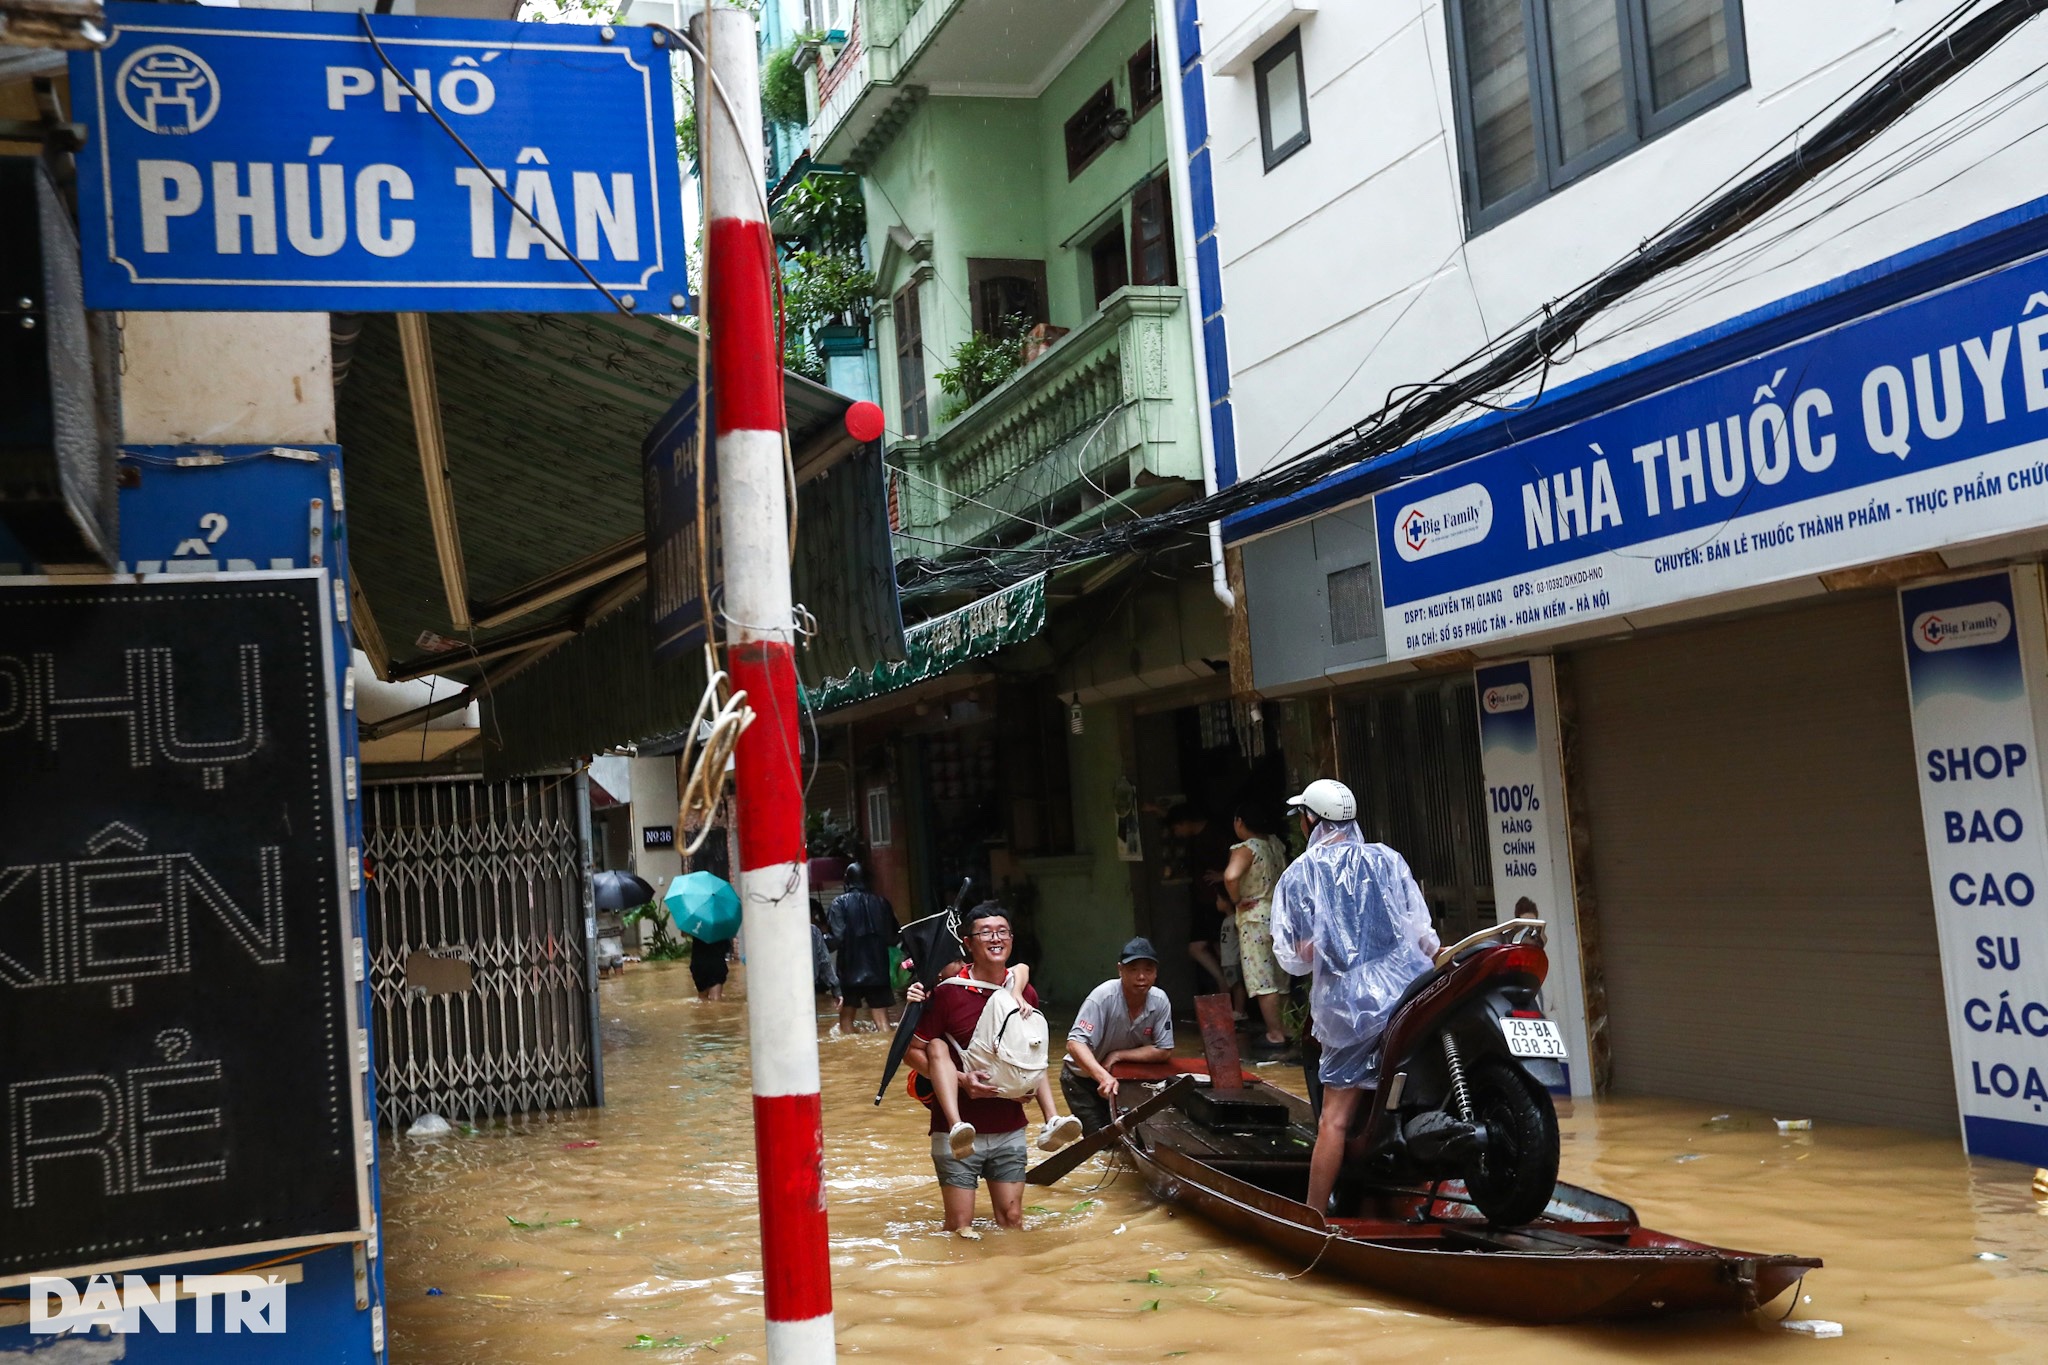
x=269, y=159
x=678, y=559
x=1921, y=426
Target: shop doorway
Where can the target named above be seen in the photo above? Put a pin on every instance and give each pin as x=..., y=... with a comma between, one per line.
x=1410, y=753
x=1210, y=757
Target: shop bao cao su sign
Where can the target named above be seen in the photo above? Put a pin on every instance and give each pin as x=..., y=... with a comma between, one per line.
x=270, y=159
x=1976, y=664
x=1917, y=427
x=1528, y=839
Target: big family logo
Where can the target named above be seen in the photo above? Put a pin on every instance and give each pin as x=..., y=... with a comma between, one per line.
x=1504, y=698
x=1982, y=623
x=248, y=1303
x=1434, y=525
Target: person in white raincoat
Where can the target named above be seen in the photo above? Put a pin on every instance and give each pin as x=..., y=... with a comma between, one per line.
x=1348, y=914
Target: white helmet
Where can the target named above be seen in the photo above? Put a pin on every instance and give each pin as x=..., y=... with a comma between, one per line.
x=1327, y=799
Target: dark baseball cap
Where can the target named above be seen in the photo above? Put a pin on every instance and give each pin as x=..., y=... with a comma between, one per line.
x=1137, y=950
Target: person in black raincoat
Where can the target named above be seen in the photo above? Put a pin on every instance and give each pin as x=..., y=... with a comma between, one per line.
x=861, y=925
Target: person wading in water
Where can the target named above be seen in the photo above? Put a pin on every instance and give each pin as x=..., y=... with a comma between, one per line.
x=992, y=1138
x=862, y=926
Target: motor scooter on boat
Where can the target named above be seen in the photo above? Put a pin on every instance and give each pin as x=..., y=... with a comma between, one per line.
x=1467, y=1064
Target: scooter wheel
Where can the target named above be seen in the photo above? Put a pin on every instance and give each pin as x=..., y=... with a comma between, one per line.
x=1518, y=1173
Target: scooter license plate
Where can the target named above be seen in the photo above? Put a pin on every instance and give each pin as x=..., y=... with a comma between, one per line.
x=1533, y=1038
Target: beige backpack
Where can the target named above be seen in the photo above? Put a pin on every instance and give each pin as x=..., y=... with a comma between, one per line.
x=1012, y=1047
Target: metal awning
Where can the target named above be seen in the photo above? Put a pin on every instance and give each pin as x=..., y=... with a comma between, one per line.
x=496, y=524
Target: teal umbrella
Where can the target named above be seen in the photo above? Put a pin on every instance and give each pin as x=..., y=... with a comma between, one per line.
x=704, y=906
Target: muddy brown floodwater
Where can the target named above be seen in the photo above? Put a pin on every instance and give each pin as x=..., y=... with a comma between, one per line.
x=547, y=1248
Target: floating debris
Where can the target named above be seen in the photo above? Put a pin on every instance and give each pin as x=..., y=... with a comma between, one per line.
x=429, y=1125
x=1813, y=1327
x=1795, y=1125
x=1989, y=1256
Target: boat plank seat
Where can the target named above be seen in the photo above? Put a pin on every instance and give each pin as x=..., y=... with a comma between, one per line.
x=1545, y=1239
x=1172, y=1067
x=1506, y=1239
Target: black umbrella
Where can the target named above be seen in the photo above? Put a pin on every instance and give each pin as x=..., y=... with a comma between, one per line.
x=618, y=890
x=934, y=945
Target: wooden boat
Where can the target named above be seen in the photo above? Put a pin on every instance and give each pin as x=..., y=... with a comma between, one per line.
x=1240, y=1159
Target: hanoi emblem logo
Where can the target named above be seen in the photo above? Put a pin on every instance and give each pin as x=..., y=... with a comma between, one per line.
x=166, y=89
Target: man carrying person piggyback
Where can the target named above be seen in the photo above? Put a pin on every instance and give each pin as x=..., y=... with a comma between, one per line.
x=979, y=1133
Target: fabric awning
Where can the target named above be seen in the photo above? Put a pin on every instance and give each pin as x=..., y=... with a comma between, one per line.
x=980, y=628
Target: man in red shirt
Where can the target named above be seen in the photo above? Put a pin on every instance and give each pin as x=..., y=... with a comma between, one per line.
x=1001, y=1149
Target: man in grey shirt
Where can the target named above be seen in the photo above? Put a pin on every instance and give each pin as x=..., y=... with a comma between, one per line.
x=1125, y=1020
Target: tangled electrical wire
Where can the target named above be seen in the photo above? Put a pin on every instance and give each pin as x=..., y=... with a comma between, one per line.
x=1946, y=49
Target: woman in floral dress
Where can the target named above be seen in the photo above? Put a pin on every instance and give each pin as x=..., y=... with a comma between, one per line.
x=1255, y=865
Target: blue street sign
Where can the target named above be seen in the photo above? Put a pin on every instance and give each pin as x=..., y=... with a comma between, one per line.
x=270, y=159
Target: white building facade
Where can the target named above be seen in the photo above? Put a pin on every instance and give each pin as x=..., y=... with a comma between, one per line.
x=1690, y=585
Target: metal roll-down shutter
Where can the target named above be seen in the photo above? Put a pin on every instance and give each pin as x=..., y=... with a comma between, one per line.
x=1767, y=927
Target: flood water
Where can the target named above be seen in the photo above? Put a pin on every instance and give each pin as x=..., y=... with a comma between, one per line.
x=639, y=1235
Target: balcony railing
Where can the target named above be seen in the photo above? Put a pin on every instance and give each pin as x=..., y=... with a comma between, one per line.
x=888, y=36
x=1107, y=407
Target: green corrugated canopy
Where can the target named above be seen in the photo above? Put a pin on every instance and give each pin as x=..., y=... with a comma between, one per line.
x=934, y=647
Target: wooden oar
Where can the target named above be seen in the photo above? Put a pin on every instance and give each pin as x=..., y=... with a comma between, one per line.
x=1059, y=1163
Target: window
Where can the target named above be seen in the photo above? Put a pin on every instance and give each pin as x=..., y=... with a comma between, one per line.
x=1283, y=100
x=1597, y=78
x=879, y=832
x=1152, y=234
x=1144, y=72
x=831, y=16
x=1106, y=254
x=1001, y=290
x=1089, y=130
x=1354, y=599
x=910, y=390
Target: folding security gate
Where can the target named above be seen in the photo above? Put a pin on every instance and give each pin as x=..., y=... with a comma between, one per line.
x=485, y=992
x=1411, y=755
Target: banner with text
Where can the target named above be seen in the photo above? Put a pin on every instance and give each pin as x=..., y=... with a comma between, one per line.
x=1973, y=646
x=1527, y=836
x=678, y=564
x=1921, y=426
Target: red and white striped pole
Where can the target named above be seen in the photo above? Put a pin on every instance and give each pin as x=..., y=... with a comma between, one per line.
x=753, y=513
